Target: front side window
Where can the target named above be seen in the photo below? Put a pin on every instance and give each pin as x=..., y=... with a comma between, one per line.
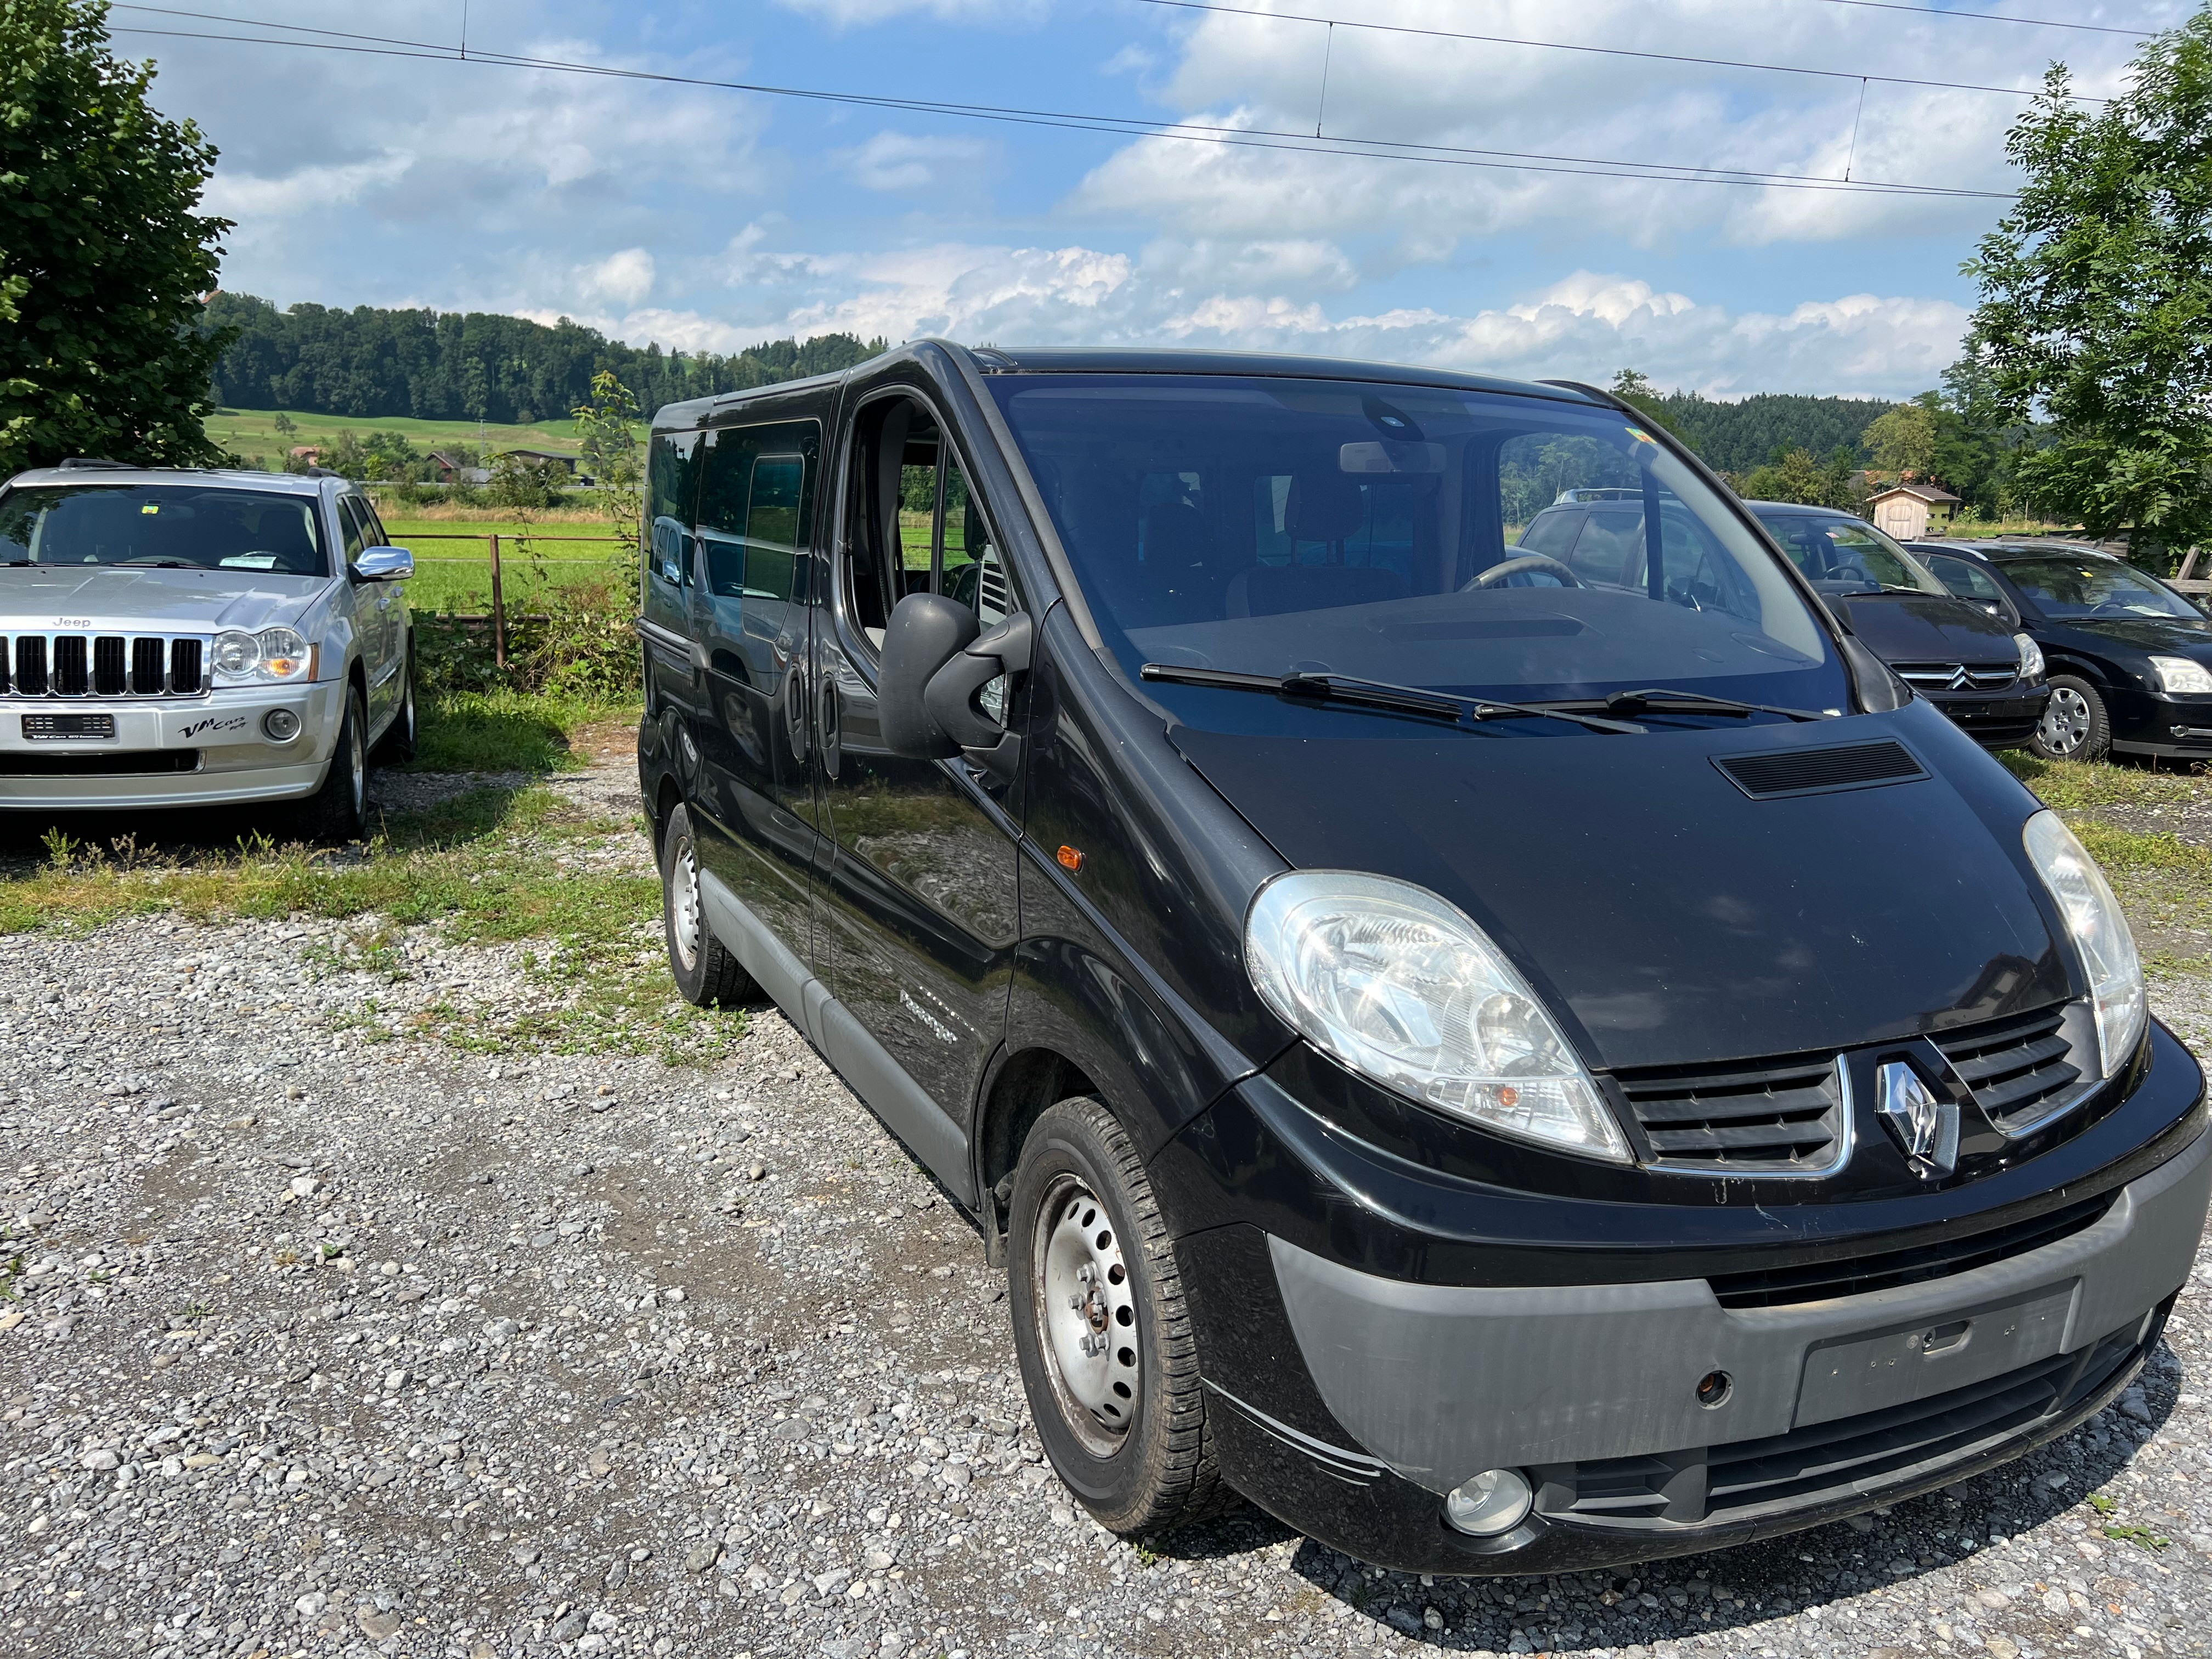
x=918, y=524
x=1849, y=555
x=350, y=521
x=1471, y=542
x=1965, y=579
x=174, y=526
x=2095, y=588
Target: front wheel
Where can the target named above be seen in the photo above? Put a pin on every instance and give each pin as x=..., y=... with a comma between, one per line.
x=1102, y=1330
x=2074, y=726
x=397, y=746
x=339, y=812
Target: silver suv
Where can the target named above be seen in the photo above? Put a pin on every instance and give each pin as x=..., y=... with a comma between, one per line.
x=192, y=638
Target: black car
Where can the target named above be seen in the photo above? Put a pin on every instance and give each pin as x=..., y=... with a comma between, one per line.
x=2130, y=658
x=1971, y=665
x=1510, y=1072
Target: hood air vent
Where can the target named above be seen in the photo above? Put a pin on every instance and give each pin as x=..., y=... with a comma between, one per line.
x=1815, y=771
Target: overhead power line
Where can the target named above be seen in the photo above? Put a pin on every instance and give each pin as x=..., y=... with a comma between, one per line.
x=1989, y=17
x=1335, y=23
x=1120, y=126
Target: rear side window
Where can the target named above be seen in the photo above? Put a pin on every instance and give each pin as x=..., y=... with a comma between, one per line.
x=671, y=487
x=756, y=519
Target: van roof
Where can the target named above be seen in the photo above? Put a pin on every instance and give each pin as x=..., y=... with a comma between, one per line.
x=1142, y=360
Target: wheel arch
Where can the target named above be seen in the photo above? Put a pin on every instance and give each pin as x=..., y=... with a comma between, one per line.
x=1018, y=1088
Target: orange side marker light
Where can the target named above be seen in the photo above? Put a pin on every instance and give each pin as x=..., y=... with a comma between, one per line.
x=1070, y=859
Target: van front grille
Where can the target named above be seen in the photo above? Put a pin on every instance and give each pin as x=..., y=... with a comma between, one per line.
x=1852, y=1457
x=2019, y=1069
x=1957, y=676
x=75, y=665
x=1772, y=1117
x=1886, y=1270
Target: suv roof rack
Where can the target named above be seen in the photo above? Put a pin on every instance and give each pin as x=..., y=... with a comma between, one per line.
x=94, y=463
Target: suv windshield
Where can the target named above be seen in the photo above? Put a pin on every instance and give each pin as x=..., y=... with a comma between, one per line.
x=2095, y=588
x=1840, y=554
x=1479, y=543
x=194, y=527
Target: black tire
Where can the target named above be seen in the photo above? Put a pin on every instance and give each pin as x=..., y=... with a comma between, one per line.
x=397, y=746
x=339, y=812
x=707, y=975
x=2075, y=725
x=1154, y=1468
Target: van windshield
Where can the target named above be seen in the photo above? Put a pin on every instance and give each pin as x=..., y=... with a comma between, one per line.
x=187, y=527
x=1482, y=544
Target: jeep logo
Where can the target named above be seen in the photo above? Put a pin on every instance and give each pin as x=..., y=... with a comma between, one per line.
x=72, y=622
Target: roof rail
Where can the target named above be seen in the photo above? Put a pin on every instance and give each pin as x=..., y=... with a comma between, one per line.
x=95, y=464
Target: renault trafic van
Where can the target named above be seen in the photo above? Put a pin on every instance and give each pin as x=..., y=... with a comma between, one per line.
x=1508, y=1069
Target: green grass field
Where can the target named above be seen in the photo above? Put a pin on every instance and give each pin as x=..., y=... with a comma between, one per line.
x=456, y=574
x=251, y=432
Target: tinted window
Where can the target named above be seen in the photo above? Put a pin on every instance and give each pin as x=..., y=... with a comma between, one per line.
x=1262, y=524
x=197, y=526
x=1966, y=578
x=755, y=517
x=2095, y=588
x=671, y=487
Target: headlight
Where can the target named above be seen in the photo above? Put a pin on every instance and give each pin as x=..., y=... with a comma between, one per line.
x=1400, y=987
x=2180, y=676
x=2030, y=657
x=275, y=654
x=2099, y=933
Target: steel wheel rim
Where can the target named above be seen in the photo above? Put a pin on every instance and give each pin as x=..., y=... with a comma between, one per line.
x=684, y=927
x=1086, y=1315
x=2065, y=720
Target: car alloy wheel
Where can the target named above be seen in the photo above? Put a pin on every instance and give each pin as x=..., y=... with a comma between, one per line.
x=357, y=767
x=2066, y=722
x=683, y=903
x=1087, y=1312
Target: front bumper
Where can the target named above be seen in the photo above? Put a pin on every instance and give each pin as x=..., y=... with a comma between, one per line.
x=1347, y=1403
x=197, y=751
x=1996, y=722
x=2149, y=723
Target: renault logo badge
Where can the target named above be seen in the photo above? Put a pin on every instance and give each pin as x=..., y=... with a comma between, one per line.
x=1925, y=1126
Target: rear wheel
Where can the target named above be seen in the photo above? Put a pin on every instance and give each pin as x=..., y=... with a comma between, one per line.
x=705, y=974
x=1108, y=1359
x=339, y=810
x=2074, y=725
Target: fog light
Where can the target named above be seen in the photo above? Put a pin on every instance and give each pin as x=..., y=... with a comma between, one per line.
x=281, y=724
x=1495, y=1501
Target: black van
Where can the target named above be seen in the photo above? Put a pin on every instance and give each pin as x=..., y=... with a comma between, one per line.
x=1509, y=1074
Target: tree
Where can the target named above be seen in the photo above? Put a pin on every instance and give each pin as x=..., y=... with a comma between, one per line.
x=104, y=254
x=2096, y=297
x=1902, y=441
x=608, y=450
x=1633, y=387
x=1797, y=477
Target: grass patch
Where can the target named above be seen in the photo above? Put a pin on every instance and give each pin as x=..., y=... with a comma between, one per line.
x=456, y=575
x=253, y=431
x=2070, y=783
x=2122, y=849
x=507, y=731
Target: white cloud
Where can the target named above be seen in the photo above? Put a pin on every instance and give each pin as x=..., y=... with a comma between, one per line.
x=257, y=203
x=849, y=14
x=624, y=278
x=901, y=162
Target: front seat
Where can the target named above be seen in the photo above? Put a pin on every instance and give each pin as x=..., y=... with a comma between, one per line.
x=1324, y=507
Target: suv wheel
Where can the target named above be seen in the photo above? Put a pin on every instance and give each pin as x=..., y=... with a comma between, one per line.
x=2074, y=726
x=1107, y=1357
x=339, y=812
x=707, y=974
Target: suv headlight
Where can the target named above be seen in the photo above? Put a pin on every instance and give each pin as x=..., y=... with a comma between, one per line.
x=1399, y=985
x=2177, y=675
x=275, y=655
x=2030, y=657
x=2100, y=935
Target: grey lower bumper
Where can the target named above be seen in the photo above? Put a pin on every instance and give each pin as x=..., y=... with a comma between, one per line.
x=1442, y=1381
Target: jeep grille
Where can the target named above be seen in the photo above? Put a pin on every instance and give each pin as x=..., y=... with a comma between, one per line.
x=103, y=665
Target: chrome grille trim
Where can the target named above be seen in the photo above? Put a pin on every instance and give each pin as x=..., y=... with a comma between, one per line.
x=1957, y=676
x=101, y=666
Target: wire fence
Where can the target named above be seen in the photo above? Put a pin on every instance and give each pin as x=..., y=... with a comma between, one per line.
x=498, y=615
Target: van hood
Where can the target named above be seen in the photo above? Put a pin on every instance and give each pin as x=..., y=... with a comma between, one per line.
x=1668, y=917
x=1926, y=627
x=42, y=598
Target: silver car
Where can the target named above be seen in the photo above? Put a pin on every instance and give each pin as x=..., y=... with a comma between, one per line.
x=194, y=638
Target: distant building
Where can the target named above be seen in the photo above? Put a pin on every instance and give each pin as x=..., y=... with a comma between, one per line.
x=566, y=462
x=1906, y=510
x=310, y=453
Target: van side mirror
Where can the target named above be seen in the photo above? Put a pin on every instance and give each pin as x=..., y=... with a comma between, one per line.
x=935, y=661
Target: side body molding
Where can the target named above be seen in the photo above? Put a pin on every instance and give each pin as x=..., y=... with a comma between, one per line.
x=862, y=1061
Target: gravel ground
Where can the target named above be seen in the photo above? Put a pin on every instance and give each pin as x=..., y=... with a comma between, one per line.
x=327, y=1343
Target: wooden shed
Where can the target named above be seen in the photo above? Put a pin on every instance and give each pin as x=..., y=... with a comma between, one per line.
x=1906, y=510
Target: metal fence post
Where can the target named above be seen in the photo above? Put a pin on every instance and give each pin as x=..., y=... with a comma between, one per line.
x=498, y=609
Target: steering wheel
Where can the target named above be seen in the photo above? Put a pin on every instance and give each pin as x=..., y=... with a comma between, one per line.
x=1526, y=562
x=1848, y=572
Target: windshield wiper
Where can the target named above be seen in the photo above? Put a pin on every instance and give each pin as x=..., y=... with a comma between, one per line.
x=1658, y=697
x=1377, y=694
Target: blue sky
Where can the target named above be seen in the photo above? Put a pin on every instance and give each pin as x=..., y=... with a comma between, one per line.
x=710, y=219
